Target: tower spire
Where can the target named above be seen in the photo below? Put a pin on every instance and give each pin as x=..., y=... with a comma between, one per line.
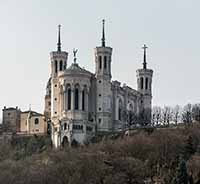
x=59, y=42
x=144, y=61
x=103, y=34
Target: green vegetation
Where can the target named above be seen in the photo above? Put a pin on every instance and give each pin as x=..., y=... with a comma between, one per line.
x=165, y=155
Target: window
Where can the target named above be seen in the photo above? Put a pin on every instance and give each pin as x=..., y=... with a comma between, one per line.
x=120, y=110
x=88, y=128
x=69, y=99
x=146, y=83
x=56, y=66
x=55, y=85
x=83, y=100
x=55, y=112
x=36, y=121
x=99, y=108
x=8, y=114
x=100, y=62
x=49, y=103
x=99, y=81
x=55, y=99
x=76, y=99
x=99, y=120
x=78, y=127
x=65, y=126
x=105, y=62
x=61, y=65
x=141, y=82
x=99, y=95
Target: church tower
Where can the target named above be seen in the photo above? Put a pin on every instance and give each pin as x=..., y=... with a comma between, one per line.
x=103, y=57
x=144, y=85
x=58, y=65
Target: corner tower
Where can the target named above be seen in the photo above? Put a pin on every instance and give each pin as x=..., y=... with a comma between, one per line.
x=58, y=58
x=144, y=85
x=58, y=65
x=103, y=57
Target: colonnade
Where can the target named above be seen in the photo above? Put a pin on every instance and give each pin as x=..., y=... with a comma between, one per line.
x=74, y=98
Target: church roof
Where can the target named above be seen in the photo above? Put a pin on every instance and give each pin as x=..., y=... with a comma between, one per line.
x=75, y=68
x=32, y=113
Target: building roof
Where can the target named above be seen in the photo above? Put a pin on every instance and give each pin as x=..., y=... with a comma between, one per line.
x=33, y=113
x=76, y=69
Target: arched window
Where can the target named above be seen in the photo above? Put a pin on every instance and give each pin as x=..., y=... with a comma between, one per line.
x=141, y=82
x=146, y=83
x=105, y=62
x=130, y=113
x=76, y=98
x=61, y=65
x=56, y=66
x=36, y=121
x=65, y=126
x=120, y=110
x=83, y=100
x=69, y=99
x=100, y=62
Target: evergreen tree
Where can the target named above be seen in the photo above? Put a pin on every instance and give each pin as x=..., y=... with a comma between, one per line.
x=181, y=176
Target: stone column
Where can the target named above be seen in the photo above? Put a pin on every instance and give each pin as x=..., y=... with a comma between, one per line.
x=86, y=100
x=65, y=100
x=72, y=98
x=80, y=99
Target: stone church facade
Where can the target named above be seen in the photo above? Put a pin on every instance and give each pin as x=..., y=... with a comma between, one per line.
x=80, y=104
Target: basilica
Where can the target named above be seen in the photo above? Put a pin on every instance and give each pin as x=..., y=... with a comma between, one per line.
x=80, y=104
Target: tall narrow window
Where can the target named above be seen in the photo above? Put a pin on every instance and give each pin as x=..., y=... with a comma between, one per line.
x=146, y=83
x=69, y=99
x=76, y=99
x=61, y=65
x=56, y=66
x=83, y=100
x=142, y=82
x=65, y=126
x=105, y=62
x=100, y=62
x=120, y=110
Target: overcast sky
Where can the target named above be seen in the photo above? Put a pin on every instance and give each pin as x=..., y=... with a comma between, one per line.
x=170, y=28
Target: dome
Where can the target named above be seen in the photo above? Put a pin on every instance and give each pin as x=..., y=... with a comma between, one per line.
x=76, y=69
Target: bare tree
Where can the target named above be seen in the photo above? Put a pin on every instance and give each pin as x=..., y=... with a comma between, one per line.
x=156, y=115
x=187, y=114
x=196, y=112
x=176, y=114
x=166, y=115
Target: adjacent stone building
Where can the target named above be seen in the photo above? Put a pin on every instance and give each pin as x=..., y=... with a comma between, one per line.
x=11, y=119
x=23, y=123
x=32, y=123
x=81, y=104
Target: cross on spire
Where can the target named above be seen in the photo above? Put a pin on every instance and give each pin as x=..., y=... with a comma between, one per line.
x=103, y=34
x=59, y=42
x=144, y=61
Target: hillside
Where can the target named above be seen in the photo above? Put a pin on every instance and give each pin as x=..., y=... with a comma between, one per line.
x=166, y=156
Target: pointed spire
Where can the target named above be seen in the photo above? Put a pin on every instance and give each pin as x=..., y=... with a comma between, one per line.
x=145, y=62
x=103, y=34
x=59, y=42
